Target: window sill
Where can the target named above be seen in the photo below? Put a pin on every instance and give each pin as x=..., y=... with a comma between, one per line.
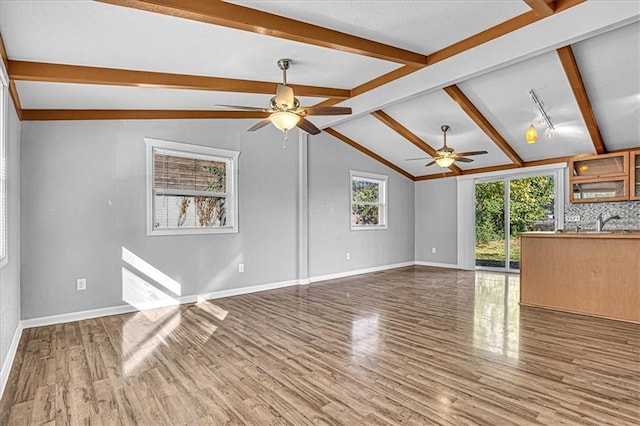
x=193, y=231
x=369, y=228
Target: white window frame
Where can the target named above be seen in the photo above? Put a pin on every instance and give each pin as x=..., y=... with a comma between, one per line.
x=4, y=199
x=383, y=201
x=203, y=152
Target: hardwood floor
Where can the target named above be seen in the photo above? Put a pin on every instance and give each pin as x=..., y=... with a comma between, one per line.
x=414, y=345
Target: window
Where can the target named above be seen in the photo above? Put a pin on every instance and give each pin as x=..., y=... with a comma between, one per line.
x=191, y=189
x=368, y=200
x=3, y=166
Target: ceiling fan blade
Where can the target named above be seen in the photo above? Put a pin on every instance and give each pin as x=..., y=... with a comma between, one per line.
x=467, y=154
x=428, y=164
x=284, y=96
x=464, y=160
x=325, y=110
x=243, y=108
x=412, y=159
x=259, y=125
x=308, y=126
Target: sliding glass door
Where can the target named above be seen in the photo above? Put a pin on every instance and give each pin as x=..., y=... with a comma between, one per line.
x=504, y=208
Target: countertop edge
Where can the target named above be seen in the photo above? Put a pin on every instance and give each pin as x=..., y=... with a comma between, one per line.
x=633, y=235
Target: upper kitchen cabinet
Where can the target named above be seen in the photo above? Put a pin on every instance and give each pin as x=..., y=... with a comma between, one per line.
x=599, y=178
x=634, y=166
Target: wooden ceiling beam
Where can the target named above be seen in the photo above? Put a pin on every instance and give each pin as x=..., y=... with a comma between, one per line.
x=133, y=114
x=572, y=72
x=496, y=31
x=434, y=176
x=384, y=79
x=481, y=121
x=372, y=84
x=490, y=169
x=230, y=15
x=367, y=152
x=56, y=73
x=13, y=91
x=542, y=8
x=410, y=136
x=546, y=161
x=3, y=54
x=457, y=48
x=500, y=167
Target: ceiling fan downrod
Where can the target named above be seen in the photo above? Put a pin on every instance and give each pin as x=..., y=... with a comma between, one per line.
x=445, y=128
x=284, y=64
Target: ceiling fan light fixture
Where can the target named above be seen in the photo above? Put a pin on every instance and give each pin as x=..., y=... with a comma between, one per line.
x=531, y=134
x=445, y=162
x=284, y=120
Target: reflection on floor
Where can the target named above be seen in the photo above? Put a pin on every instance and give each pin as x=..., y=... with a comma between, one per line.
x=415, y=345
x=496, y=315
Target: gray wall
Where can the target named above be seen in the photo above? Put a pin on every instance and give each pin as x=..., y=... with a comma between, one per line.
x=10, y=273
x=330, y=237
x=84, y=199
x=436, y=221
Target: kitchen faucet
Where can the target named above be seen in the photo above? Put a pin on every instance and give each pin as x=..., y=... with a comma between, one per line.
x=600, y=223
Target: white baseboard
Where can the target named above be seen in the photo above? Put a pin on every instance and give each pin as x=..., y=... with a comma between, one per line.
x=437, y=265
x=358, y=272
x=244, y=290
x=124, y=309
x=77, y=316
x=11, y=354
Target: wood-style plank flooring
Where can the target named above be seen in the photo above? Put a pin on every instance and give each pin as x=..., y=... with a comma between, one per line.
x=414, y=345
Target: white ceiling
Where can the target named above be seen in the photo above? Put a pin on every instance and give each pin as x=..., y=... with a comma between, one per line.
x=416, y=25
x=612, y=79
x=496, y=76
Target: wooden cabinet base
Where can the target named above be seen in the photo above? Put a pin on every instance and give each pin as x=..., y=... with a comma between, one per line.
x=591, y=276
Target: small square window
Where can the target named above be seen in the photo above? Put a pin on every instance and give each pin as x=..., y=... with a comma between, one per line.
x=192, y=189
x=368, y=200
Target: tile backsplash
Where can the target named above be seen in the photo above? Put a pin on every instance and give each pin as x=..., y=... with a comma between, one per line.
x=629, y=211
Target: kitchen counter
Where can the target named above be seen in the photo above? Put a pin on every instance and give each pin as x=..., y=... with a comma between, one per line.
x=584, y=234
x=594, y=274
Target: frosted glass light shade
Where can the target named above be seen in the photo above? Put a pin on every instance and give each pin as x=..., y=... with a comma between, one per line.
x=531, y=135
x=284, y=120
x=444, y=161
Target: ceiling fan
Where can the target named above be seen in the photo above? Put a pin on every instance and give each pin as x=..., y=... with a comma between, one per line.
x=446, y=155
x=285, y=110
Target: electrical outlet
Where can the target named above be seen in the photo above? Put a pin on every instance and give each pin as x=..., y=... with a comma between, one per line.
x=241, y=267
x=433, y=250
x=81, y=284
x=572, y=218
x=348, y=256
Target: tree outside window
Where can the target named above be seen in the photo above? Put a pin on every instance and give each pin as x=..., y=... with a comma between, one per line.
x=192, y=189
x=368, y=201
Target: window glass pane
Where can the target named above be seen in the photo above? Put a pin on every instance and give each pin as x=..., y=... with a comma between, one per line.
x=365, y=190
x=194, y=174
x=368, y=200
x=174, y=211
x=606, y=189
x=192, y=189
x=365, y=214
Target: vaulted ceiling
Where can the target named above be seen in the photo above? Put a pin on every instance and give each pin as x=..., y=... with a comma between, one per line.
x=404, y=67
